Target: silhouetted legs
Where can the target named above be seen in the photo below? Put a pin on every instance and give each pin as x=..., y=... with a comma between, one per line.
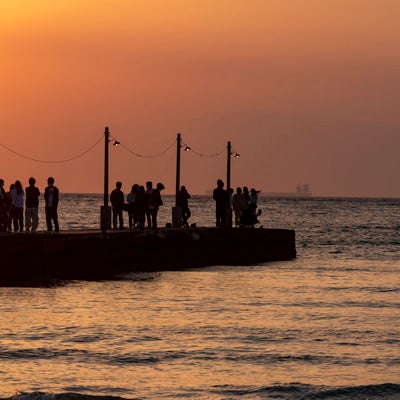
x=117, y=217
x=52, y=216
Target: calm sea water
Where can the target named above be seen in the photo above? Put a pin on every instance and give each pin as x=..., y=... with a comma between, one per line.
x=323, y=326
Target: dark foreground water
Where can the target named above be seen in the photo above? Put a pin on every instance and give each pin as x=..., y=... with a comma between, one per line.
x=323, y=326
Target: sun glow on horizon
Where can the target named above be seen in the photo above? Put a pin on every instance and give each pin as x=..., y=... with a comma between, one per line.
x=314, y=85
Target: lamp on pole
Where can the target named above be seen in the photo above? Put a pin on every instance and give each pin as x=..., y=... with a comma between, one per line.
x=105, y=211
x=177, y=210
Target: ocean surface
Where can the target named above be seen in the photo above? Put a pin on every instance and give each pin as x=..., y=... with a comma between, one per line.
x=323, y=326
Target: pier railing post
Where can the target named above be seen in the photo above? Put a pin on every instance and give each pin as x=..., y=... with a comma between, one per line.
x=105, y=211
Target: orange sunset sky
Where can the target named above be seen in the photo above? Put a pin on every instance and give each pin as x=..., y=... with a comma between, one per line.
x=307, y=91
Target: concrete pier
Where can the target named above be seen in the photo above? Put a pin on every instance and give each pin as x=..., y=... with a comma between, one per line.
x=96, y=255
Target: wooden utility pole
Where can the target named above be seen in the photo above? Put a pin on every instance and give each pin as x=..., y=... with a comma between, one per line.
x=178, y=167
x=228, y=221
x=177, y=211
x=228, y=166
x=105, y=212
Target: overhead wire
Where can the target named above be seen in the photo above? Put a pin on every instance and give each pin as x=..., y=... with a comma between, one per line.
x=53, y=161
x=147, y=155
x=205, y=155
x=97, y=142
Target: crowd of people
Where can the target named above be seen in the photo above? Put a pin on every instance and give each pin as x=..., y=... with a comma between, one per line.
x=142, y=204
x=17, y=200
x=243, y=203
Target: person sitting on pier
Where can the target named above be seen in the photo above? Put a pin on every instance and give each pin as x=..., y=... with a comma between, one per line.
x=183, y=202
x=51, y=197
x=117, y=202
x=220, y=195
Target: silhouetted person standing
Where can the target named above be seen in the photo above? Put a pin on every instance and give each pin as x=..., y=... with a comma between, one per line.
x=220, y=195
x=117, y=202
x=9, y=208
x=131, y=199
x=17, y=206
x=155, y=202
x=148, y=193
x=141, y=206
x=32, y=206
x=240, y=204
x=253, y=196
x=51, y=197
x=3, y=207
x=246, y=193
x=249, y=216
x=183, y=202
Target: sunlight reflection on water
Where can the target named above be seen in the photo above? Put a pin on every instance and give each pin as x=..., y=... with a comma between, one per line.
x=242, y=326
x=330, y=317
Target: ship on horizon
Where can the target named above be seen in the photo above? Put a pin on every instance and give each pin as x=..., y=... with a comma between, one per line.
x=301, y=191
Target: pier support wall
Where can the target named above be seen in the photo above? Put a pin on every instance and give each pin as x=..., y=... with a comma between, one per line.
x=94, y=255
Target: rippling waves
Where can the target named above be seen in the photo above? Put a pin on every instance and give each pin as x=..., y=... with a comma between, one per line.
x=323, y=326
x=288, y=392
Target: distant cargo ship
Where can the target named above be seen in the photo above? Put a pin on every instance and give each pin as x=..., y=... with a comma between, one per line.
x=301, y=191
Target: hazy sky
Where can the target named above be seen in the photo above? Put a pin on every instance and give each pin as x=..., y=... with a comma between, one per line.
x=307, y=91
